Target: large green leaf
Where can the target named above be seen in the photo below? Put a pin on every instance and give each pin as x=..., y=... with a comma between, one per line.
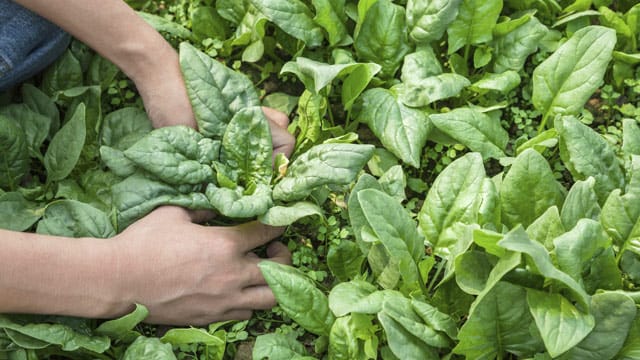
x=317, y=75
x=278, y=346
x=528, y=190
x=121, y=123
x=348, y=336
x=75, y=219
x=560, y=324
x=149, y=348
x=423, y=92
x=631, y=137
x=499, y=324
x=16, y=213
x=383, y=36
x=402, y=130
x=576, y=248
x=453, y=197
x=287, y=215
x=323, y=164
x=563, y=83
x=171, y=154
x=293, y=17
x=428, y=20
x=65, y=147
x=298, y=297
x=586, y=153
x=478, y=131
x=631, y=348
x=34, y=125
x=546, y=227
x=474, y=23
x=581, y=202
x=216, y=92
x=122, y=328
x=236, y=204
x=512, y=49
x=330, y=14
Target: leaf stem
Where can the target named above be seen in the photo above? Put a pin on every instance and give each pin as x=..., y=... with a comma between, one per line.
x=432, y=282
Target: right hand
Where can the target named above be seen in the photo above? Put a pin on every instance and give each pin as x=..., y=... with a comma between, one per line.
x=189, y=274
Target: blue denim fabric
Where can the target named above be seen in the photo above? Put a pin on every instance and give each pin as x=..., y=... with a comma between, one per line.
x=28, y=44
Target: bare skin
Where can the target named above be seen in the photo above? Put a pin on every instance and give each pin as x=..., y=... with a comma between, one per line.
x=185, y=273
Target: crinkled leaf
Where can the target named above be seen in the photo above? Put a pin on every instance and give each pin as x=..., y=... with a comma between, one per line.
x=474, y=23
x=453, y=197
x=346, y=338
x=75, y=219
x=14, y=162
x=586, y=153
x=65, y=73
x=420, y=93
x=216, y=92
x=17, y=213
x=145, y=348
x=421, y=64
x=236, y=204
x=428, y=20
x=122, y=123
x=402, y=130
x=560, y=324
x=330, y=14
x=630, y=137
x=323, y=164
x=293, y=17
x=512, y=48
x=287, y=215
x=298, y=297
x=382, y=38
x=631, y=348
x=563, y=83
x=345, y=260
x=474, y=129
x=34, y=125
x=528, y=190
x=171, y=154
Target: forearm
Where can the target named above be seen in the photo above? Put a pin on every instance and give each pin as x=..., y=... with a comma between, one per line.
x=42, y=274
x=114, y=30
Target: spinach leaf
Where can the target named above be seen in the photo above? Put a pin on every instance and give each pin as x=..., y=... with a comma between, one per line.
x=216, y=92
x=348, y=337
x=385, y=45
x=237, y=204
x=631, y=137
x=563, y=83
x=278, y=346
x=172, y=155
x=581, y=203
x=121, y=123
x=402, y=130
x=476, y=130
x=298, y=297
x=287, y=215
x=14, y=162
x=428, y=20
x=528, y=190
x=65, y=147
x=330, y=14
x=39, y=102
x=34, y=125
x=293, y=17
x=474, y=23
x=65, y=73
x=423, y=92
x=145, y=348
x=122, y=328
x=345, y=260
x=546, y=227
x=16, y=213
x=512, y=48
x=75, y=219
x=575, y=249
x=453, y=197
x=585, y=153
x=323, y=164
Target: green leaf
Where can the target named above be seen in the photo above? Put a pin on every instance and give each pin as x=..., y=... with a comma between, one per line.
x=474, y=23
x=528, y=190
x=586, y=153
x=428, y=20
x=43, y=334
x=246, y=146
x=145, y=348
x=75, y=219
x=65, y=73
x=576, y=248
x=278, y=346
x=581, y=203
x=345, y=260
x=122, y=328
x=216, y=92
x=502, y=82
x=546, y=227
x=236, y=204
x=177, y=337
x=330, y=14
x=421, y=64
x=474, y=129
x=121, y=123
x=614, y=314
x=358, y=296
x=560, y=324
x=630, y=137
x=472, y=270
x=538, y=256
x=14, y=162
x=34, y=125
x=402, y=130
x=345, y=340
x=298, y=297
x=356, y=216
x=323, y=164
x=317, y=75
x=384, y=45
x=171, y=154
x=499, y=324
x=563, y=83
x=287, y=215
x=631, y=348
x=166, y=26
x=453, y=197
x=512, y=48
x=65, y=147
x=39, y=102
x=293, y=17
x=16, y=213
x=423, y=92
x=207, y=23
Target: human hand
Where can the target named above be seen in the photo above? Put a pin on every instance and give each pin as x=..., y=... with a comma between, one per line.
x=189, y=274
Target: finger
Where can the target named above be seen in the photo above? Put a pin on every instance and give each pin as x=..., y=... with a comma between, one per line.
x=279, y=252
x=283, y=141
x=201, y=216
x=252, y=274
x=253, y=234
x=258, y=298
x=276, y=116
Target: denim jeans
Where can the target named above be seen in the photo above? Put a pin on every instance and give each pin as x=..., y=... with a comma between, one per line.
x=28, y=44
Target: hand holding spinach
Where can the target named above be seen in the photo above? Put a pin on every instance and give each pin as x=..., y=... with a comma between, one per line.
x=191, y=274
